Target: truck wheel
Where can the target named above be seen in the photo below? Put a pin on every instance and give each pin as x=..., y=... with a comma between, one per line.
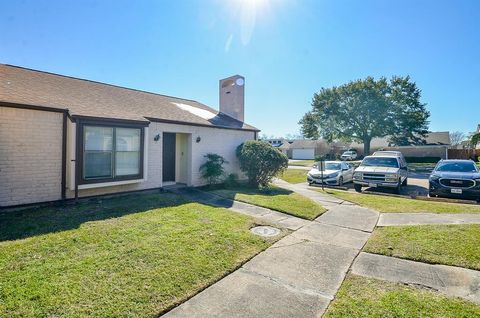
x=357, y=187
x=405, y=182
x=399, y=187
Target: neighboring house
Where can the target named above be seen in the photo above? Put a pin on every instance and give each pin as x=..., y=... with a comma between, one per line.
x=285, y=149
x=62, y=137
x=307, y=149
x=436, y=145
x=276, y=142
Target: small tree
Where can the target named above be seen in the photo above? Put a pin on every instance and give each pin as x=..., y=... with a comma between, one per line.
x=475, y=140
x=456, y=138
x=260, y=162
x=212, y=170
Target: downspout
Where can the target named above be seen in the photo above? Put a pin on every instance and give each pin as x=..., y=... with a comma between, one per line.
x=77, y=152
x=64, y=154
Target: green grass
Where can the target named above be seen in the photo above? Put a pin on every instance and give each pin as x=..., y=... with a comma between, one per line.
x=367, y=297
x=294, y=175
x=303, y=163
x=275, y=198
x=388, y=204
x=133, y=256
x=456, y=245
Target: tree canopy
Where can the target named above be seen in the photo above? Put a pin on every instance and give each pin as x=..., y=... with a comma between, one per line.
x=364, y=109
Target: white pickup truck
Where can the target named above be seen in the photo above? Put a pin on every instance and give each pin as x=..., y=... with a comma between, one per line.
x=381, y=171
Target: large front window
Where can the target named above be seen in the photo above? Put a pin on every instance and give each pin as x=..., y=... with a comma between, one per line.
x=111, y=153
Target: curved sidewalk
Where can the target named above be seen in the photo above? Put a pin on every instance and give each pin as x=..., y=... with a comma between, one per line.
x=298, y=276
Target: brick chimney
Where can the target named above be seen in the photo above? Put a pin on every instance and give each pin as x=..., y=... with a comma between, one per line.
x=232, y=97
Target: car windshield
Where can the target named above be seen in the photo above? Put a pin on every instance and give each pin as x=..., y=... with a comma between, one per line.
x=457, y=167
x=380, y=162
x=329, y=166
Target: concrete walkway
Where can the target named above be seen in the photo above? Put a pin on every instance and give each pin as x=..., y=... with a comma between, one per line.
x=298, y=276
x=450, y=280
x=263, y=214
x=304, y=189
x=396, y=219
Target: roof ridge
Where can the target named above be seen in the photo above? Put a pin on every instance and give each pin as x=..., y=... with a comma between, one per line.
x=102, y=83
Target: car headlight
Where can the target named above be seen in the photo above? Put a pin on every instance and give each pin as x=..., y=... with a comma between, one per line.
x=391, y=177
x=333, y=175
x=434, y=177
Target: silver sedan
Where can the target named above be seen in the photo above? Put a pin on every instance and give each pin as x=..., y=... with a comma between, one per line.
x=333, y=172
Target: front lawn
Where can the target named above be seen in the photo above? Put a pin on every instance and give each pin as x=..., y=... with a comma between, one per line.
x=275, y=198
x=456, y=245
x=131, y=256
x=388, y=204
x=294, y=175
x=302, y=163
x=367, y=297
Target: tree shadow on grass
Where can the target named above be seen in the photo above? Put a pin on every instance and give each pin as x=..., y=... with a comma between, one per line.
x=61, y=217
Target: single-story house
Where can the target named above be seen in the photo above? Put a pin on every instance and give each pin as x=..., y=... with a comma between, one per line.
x=63, y=137
x=436, y=145
x=307, y=149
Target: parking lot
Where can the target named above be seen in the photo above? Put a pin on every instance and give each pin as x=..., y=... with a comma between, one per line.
x=417, y=182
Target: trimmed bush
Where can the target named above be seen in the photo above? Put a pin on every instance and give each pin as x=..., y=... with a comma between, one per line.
x=422, y=159
x=260, y=162
x=212, y=170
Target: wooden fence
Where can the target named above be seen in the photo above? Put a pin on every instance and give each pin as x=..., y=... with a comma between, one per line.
x=464, y=154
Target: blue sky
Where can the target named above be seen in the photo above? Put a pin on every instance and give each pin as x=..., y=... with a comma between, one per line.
x=286, y=49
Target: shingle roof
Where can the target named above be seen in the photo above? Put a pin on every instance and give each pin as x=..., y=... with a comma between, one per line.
x=93, y=99
x=438, y=138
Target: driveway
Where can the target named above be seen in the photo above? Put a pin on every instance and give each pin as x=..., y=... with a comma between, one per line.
x=417, y=185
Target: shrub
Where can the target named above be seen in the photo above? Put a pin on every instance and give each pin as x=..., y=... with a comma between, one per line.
x=232, y=180
x=212, y=170
x=260, y=162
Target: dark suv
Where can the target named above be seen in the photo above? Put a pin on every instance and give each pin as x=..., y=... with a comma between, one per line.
x=455, y=178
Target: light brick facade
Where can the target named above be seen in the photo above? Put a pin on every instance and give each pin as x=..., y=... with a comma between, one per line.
x=30, y=156
x=213, y=140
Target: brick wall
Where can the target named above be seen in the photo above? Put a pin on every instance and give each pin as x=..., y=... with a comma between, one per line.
x=30, y=156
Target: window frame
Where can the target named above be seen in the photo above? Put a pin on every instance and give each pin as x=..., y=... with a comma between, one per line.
x=108, y=124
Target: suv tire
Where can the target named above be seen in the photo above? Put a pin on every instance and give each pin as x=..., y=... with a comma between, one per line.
x=357, y=187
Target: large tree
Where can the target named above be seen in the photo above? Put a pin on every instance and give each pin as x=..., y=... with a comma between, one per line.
x=364, y=109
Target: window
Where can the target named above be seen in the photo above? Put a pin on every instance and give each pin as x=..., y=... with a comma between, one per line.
x=111, y=153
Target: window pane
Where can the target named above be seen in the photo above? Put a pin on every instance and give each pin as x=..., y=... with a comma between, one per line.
x=98, y=138
x=127, y=163
x=98, y=164
x=128, y=139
